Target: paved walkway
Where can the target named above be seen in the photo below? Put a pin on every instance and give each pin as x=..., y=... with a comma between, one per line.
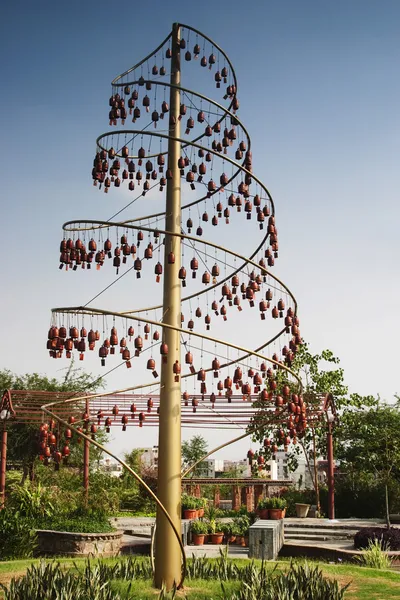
x=330, y=548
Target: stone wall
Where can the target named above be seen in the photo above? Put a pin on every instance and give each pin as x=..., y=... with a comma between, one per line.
x=62, y=543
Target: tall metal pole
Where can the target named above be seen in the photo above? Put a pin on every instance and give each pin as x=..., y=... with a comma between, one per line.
x=3, y=467
x=86, y=456
x=168, y=553
x=331, y=474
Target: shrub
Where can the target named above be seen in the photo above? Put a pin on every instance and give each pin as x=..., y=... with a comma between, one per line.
x=76, y=524
x=240, y=525
x=17, y=535
x=375, y=556
x=388, y=537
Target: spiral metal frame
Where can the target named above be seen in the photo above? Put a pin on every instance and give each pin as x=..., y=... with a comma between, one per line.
x=179, y=146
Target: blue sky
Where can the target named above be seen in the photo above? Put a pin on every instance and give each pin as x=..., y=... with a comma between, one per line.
x=319, y=92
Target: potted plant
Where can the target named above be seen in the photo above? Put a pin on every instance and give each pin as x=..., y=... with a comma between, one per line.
x=189, y=506
x=229, y=537
x=240, y=529
x=263, y=508
x=202, y=504
x=277, y=508
x=215, y=530
x=199, y=530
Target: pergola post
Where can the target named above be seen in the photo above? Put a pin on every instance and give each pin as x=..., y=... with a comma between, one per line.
x=3, y=460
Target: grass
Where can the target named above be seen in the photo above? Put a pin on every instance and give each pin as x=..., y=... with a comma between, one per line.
x=365, y=583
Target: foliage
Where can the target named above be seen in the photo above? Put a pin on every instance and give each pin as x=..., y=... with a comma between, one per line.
x=199, y=527
x=294, y=496
x=189, y=502
x=302, y=582
x=388, y=537
x=30, y=501
x=135, y=497
x=375, y=556
x=277, y=503
x=22, y=439
x=17, y=537
x=263, y=503
x=192, y=451
x=370, y=443
x=76, y=523
x=320, y=374
x=50, y=582
x=240, y=525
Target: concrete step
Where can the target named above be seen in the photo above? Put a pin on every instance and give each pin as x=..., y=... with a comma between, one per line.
x=323, y=532
x=321, y=525
x=313, y=537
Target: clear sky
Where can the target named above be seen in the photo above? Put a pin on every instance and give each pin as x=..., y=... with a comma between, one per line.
x=320, y=93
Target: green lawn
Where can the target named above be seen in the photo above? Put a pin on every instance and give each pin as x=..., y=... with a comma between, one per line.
x=365, y=584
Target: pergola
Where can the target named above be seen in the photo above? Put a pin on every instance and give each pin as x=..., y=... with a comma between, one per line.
x=142, y=409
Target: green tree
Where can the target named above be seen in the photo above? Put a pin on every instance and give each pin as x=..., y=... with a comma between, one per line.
x=23, y=438
x=320, y=374
x=192, y=451
x=370, y=444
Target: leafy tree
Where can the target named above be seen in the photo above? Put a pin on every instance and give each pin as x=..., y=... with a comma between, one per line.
x=320, y=374
x=23, y=438
x=370, y=443
x=192, y=451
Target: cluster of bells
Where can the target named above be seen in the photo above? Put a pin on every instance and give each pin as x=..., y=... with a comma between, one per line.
x=75, y=253
x=59, y=339
x=107, y=169
x=118, y=106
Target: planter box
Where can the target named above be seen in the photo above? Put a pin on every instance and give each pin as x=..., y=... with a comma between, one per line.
x=64, y=543
x=302, y=510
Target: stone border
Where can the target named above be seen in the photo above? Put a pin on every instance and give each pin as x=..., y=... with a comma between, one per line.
x=67, y=543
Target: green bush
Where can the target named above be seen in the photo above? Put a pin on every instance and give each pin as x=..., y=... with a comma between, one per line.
x=17, y=535
x=78, y=524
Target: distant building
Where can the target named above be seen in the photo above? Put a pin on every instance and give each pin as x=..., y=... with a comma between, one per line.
x=149, y=456
x=106, y=465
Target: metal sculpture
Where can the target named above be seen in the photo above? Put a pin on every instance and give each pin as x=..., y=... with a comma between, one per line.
x=204, y=155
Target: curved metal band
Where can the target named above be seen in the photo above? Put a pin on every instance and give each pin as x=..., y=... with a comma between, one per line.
x=211, y=244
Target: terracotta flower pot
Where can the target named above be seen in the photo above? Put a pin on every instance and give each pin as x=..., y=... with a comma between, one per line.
x=240, y=540
x=200, y=512
x=263, y=513
x=231, y=539
x=275, y=514
x=217, y=538
x=189, y=513
x=198, y=539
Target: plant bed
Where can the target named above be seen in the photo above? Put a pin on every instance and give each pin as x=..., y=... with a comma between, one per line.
x=67, y=543
x=388, y=537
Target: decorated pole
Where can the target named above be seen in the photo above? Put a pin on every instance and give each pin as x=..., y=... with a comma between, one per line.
x=168, y=553
x=154, y=151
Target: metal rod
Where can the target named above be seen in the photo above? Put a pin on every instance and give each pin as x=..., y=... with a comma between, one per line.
x=331, y=474
x=168, y=553
x=3, y=467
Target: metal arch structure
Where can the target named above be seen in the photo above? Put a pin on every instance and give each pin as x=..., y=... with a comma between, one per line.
x=222, y=183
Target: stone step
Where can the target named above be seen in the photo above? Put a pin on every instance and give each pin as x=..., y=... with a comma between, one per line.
x=313, y=537
x=329, y=533
x=333, y=526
